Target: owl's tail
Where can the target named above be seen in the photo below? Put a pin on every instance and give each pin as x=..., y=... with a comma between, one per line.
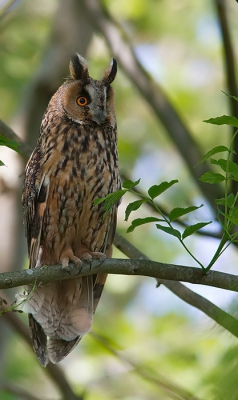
x=63, y=311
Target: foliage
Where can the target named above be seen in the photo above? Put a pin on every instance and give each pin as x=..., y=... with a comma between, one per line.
x=228, y=218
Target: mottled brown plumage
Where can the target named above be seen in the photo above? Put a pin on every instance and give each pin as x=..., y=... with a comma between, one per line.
x=74, y=163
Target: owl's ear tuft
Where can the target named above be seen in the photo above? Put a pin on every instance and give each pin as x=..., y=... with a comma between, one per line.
x=111, y=71
x=78, y=67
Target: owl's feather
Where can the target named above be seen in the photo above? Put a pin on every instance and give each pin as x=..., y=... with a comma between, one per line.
x=75, y=162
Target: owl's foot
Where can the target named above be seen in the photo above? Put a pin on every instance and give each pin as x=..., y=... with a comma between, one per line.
x=83, y=254
x=67, y=255
x=87, y=255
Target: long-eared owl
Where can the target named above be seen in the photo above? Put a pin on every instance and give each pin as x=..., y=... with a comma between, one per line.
x=74, y=163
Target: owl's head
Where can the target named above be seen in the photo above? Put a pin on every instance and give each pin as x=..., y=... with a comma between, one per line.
x=84, y=99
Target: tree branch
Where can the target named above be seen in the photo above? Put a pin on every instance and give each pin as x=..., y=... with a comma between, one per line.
x=153, y=269
x=230, y=70
x=152, y=93
x=207, y=307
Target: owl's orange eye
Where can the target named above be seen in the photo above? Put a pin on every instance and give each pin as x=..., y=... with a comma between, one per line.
x=82, y=101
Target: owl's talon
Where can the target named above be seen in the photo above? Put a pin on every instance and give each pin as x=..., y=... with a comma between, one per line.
x=65, y=264
x=98, y=256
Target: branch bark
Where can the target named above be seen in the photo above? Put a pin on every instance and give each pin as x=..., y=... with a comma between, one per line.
x=143, y=267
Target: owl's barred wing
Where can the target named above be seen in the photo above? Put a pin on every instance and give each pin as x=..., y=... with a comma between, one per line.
x=53, y=350
x=34, y=201
x=39, y=340
x=59, y=349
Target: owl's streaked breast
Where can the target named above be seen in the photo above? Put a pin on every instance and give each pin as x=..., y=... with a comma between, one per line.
x=82, y=166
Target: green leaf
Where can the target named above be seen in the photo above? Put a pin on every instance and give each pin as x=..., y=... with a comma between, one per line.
x=141, y=221
x=169, y=230
x=179, y=212
x=229, y=95
x=194, y=228
x=223, y=120
x=212, y=177
x=234, y=220
x=129, y=184
x=156, y=190
x=110, y=199
x=227, y=165
x=9, y=143
x=215, y=150
x=229, y=201
x=1, y=163
x=233, y=216
x=132, y=207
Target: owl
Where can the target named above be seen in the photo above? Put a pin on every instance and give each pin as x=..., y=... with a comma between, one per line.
x=74, y=163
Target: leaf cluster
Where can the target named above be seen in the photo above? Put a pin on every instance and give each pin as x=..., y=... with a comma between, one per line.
x=227, y=205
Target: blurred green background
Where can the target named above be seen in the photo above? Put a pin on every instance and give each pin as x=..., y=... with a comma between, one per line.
x=151, y=331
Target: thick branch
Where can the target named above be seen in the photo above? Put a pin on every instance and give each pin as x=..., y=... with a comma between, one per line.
x=122, y=267
x=152, y=93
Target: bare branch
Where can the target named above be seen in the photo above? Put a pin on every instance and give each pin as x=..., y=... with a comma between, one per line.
x=230, y=69
x=229, y=57
x=207, y=307
x=152, y=93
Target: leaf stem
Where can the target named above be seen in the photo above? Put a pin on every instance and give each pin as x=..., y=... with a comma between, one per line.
x=181, y=240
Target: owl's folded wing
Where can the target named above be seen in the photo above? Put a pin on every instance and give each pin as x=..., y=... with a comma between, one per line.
x=34, y=201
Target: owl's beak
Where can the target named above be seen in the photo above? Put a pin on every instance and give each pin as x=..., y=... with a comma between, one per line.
x=99, y=115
